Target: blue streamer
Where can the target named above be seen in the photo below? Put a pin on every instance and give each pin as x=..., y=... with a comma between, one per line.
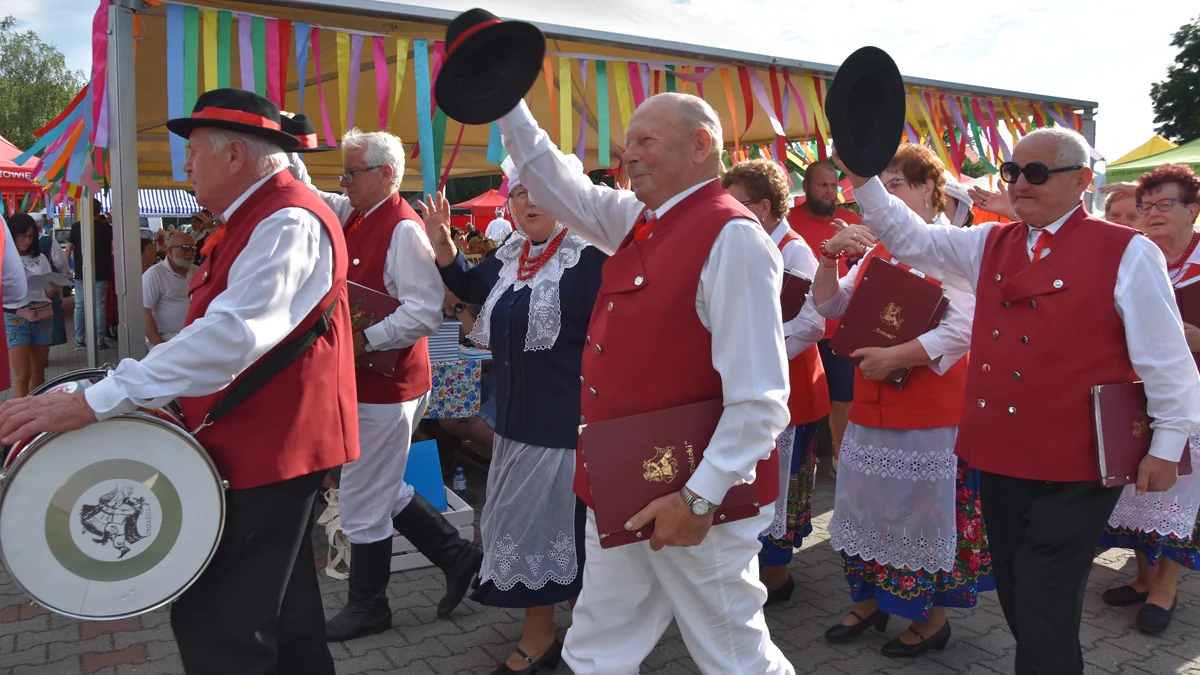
x=175, y=88
x=495, y=152
x=303, y=32
x=424, y=122
x=51, y=136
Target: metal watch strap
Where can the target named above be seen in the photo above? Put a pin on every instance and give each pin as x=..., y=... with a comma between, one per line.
x=690, y=498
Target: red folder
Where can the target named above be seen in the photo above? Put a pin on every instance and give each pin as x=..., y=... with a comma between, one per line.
x=793, y=294
x=1123, y=433
x=367, y=308
x=890, y=306
x=631, y=461
x=1188, y=299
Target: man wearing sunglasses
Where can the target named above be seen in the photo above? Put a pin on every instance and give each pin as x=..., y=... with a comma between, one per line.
x=165, y=298
x=1065, y=301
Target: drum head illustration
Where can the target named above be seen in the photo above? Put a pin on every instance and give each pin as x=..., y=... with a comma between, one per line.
x=110, y=521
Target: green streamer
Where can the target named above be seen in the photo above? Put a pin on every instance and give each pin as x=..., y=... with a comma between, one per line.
x=439, y=139
x=191, y=57
x=224, y=25
x=977, y=135
x=670, y=78
x=258, y=34
x=602, y=121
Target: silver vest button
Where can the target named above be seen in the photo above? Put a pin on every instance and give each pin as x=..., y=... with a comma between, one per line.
x=982, y=403
x=598, y=350
x=1012, y=411
x=355, y=262
x=997, y=278
x=637, y=281
x=1024, y=339
x=1033, y=304
x=1058, y=283
x=1007, y=304
x=593, y=391
x=1016, y=375
x=588, y=339
x=580, y=379
x=995, y=334
x=987, y=368
x=610, y=306
x=582, y=419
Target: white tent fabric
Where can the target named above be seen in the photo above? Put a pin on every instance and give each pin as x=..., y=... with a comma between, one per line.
x=159, y=202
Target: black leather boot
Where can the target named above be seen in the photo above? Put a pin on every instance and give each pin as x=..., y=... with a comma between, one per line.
x=367, y=611
x=439, y=541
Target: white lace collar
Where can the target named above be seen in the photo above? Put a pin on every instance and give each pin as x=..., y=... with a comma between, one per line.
x=545, y=307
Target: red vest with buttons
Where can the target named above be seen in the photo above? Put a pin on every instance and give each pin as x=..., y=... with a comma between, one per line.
x=1045, y=332
x=304, y=419
x=927, y=401
x=809, y=400
x=646, y=348
x=368, y=246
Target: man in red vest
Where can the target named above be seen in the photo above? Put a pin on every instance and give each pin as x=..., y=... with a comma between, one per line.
x=389, y=253
x=275, y=269
x=688, y=311
x=1064, y=301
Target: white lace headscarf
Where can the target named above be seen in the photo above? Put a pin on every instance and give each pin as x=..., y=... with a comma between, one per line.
x=959, y=192
x=545, y=308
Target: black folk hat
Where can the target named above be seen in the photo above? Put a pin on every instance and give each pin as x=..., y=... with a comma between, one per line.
x=236, y=110
x=865, y=108
x=302, y=128
x=490, y=66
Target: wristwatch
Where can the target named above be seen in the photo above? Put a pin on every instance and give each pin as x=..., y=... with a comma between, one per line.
x=367, y=344
x=698, y=505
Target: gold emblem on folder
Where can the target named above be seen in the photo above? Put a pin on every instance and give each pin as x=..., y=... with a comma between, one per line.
x=663, y=468
x=891, y=316
x=1141, y=427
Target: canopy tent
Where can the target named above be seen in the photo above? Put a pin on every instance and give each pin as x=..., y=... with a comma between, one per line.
x=15, y=178
x=1155, y=145
x=175, y=203
x=1188, y=153
x=483, y=208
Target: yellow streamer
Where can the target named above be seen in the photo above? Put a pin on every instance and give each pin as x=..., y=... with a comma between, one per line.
x=910, y=114
x=937, y=141
x=808, y=92
x=401, y=66
x=209, y=18
x=343, y=59
x=620, y=75
x=824, y=120
x=795, y=159
x=565, y=136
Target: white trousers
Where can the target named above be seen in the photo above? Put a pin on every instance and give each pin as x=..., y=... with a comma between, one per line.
x=372, y=489
x=631, y=593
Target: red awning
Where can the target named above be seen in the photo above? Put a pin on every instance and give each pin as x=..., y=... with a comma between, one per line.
x=15, y=177
x=489, y=199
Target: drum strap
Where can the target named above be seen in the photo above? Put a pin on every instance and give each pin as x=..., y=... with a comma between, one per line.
x=269, y=367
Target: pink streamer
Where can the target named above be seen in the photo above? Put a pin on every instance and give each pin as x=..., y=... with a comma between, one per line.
x=102, y=123
x=995, y=124
x=274, y=91
x=246, y=51
x=435, y=69
x=99, y=66
x=760, y=94
x=635, y=83
x=316, y=50
x=647, y=80
x=383, y=85
x=799, y=104
x=356, y=44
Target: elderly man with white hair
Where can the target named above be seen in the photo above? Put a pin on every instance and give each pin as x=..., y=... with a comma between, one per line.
x=1064, y=302
x=389, y=253
x=688, y=311
x=275, y=278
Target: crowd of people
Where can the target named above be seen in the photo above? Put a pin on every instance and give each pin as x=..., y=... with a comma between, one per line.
x=977, y=475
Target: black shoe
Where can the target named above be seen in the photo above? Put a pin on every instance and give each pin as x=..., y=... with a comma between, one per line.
x=842, y=633
x=781, y=594
x=1154, y=619
x=440, y=542
x=936, y=641
x=1124, y=596
x=548, y=663
x=367, y=611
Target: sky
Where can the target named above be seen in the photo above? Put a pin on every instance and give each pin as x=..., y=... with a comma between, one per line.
x=1097, y=50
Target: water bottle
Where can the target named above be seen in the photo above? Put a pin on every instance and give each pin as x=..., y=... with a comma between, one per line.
x=459, y=484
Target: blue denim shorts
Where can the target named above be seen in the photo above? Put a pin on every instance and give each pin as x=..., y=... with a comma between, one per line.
x=22, y=333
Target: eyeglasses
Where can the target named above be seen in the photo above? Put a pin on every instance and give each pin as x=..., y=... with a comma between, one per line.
x=348, y=177
x=185, y=247
x=1163, y=205
x=1036, y=173
x=894, y=183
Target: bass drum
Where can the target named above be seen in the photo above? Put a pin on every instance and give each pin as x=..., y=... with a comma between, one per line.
x=113, y=520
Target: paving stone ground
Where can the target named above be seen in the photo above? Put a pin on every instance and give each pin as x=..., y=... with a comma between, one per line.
x=476, y=638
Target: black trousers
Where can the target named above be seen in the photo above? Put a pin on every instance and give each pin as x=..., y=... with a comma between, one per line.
x=257, y=609
x=1043, y=537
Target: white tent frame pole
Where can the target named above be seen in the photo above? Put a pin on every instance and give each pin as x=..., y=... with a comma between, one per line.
x=87, y=241
x=122, y=146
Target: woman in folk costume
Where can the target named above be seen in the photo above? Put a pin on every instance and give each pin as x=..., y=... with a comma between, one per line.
x=1162, y=526
x=906, y=513
x=762, y=186
x=537, y=293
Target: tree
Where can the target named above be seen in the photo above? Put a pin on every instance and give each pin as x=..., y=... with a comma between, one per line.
x=974, y=169
x=1175, y=110
x=35, y=83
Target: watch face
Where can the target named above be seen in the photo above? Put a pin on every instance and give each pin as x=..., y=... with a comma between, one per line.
x=700, y=507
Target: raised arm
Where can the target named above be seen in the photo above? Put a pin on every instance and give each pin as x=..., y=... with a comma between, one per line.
x=339, y=204
x=596, y=212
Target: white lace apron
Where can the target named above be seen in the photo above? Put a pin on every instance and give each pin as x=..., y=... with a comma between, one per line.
x=528, y=524
x=545, y=308
x=1170, y=512
x=783, y=445
x=895, y=497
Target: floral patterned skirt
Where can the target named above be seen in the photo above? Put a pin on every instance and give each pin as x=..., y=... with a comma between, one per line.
x=778, y=551
x=912, y=594
x=1154, y=546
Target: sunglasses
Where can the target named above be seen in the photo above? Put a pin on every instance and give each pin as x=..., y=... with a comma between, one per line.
x=1163, y=205
x=1036, y=173
x=185, y=247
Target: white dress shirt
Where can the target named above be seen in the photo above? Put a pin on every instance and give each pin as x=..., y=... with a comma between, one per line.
x=276, y=281
x=1143, y=298
x=737, y=300
x=12, y=271
x=947, y=343
x=808, y=327
x=498, y=229
x=165, y=294
x=410, y=275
